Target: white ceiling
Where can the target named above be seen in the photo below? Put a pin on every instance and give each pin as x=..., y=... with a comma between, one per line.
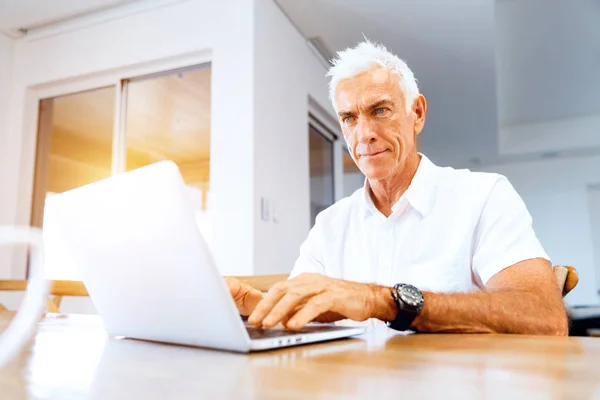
x=481, y=64
x=26, y=14
x=548, y=59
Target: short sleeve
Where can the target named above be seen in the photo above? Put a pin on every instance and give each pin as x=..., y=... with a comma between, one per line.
x=310, y=259
x=504, y=235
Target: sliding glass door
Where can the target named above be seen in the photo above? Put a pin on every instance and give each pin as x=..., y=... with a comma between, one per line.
x=84, y=137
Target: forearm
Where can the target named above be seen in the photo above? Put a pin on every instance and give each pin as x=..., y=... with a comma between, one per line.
x=515, y=311
x=498, y=312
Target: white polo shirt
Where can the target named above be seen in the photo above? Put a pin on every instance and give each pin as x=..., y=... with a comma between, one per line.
x=451, y=231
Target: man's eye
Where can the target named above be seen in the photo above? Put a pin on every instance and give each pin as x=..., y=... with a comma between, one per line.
x=348, y=119
x=379, y=111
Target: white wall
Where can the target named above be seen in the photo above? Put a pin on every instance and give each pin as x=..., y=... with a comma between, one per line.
x=6, y=59
x=224, y=29
x=555, y=192
x=593, y=192
x=286, y=74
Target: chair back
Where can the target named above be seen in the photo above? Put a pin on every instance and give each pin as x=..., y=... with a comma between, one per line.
x=566, y=278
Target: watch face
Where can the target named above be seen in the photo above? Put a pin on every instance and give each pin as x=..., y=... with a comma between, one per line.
x=410, y=295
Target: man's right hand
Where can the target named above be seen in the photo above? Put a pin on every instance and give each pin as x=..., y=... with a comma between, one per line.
x=245, y=296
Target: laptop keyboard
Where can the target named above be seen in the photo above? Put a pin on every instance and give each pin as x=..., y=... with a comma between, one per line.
x=258, y=333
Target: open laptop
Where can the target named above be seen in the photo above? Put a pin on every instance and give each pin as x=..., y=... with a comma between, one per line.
x=148, y=270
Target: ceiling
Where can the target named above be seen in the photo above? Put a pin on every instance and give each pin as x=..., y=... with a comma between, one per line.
x=16, y=15
x=548, y=60
x=482, y=64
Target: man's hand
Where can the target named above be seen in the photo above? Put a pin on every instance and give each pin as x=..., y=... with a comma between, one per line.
x=245, y=296
x=314, y=297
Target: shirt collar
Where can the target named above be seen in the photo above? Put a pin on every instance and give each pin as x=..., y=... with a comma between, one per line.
x=419, y=194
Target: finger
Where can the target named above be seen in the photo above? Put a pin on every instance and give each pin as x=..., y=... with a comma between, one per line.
x=285, y=306
x=312, y=309
x=245, y=296
x=286, y=318
x=267, y=303
x=235, y=288
x=250, y=300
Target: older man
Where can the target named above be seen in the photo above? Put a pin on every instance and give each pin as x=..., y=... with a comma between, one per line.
x=420, y=247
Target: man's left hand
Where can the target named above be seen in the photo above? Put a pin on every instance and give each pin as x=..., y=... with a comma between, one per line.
x=314, y=297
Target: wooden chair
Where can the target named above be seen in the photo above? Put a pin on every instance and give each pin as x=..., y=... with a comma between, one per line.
x=566, y=277
x=58, y=289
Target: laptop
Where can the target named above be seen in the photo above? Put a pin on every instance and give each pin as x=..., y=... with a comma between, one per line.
x=148, y=270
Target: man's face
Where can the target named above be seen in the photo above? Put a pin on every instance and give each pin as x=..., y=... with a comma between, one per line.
x=379, y=132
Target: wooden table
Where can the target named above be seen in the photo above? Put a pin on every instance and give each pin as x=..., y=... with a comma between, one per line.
x=73, y=358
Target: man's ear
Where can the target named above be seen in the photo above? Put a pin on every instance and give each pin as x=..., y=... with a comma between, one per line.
x=420, y=110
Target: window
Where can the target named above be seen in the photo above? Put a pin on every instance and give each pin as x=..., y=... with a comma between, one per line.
x=75, y=135
x=333, y=173
x=321, y=152
x=168, y=118
x=85, y=137
x=75, y=140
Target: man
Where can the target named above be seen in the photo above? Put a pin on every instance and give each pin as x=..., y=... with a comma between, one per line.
x=420, y=247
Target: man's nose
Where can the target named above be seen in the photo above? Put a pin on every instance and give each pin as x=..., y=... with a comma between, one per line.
x=366, y=133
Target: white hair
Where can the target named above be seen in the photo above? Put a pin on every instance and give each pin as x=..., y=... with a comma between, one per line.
x=361, y=58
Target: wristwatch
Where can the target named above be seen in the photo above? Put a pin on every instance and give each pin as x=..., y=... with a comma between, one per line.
x=409, y=301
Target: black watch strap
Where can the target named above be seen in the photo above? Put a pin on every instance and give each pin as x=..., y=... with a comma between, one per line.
x=406, y=312
x=403, y=321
